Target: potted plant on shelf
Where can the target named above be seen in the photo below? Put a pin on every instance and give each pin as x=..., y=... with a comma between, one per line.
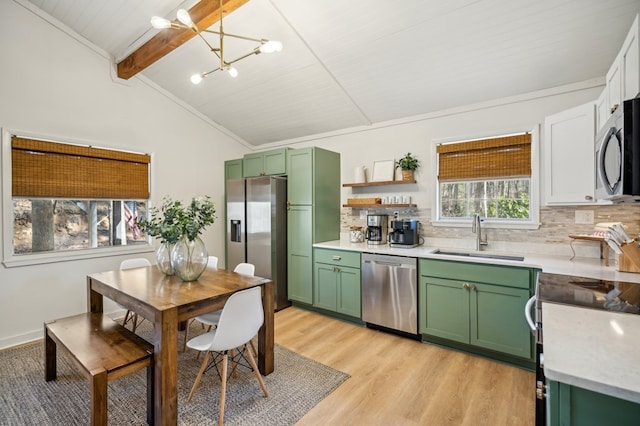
x=179, y=227
x=408, y=164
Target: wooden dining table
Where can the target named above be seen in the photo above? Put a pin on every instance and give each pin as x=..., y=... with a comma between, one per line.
x=168, y=302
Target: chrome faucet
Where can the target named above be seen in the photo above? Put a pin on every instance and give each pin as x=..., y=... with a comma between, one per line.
x=477, y=229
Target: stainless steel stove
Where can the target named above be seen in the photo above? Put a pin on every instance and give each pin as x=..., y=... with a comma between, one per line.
x=585, y=292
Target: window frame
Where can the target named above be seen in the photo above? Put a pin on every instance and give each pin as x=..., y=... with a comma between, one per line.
x=8, y=258
x=534, y=202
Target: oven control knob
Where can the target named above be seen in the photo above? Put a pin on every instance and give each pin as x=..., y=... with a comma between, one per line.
x=540, y=390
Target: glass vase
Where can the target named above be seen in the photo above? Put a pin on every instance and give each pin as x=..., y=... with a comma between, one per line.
x=189, y=258
x=163, y=258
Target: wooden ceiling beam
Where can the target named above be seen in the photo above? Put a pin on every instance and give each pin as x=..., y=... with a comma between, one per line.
x=204, y=15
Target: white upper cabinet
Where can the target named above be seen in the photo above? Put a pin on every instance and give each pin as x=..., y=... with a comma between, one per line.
x=602, y=109
x=623, y=77
x=569, y=163
x=630, y=63
x=614, y=82
x=569, y=149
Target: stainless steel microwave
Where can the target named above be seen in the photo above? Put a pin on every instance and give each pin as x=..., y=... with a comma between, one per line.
x=618, y=155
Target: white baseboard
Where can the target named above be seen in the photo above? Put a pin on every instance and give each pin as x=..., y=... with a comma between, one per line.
x=33, y=335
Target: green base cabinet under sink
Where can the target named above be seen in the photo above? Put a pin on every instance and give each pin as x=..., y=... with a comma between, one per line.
x=336, y=283
x=478, y=305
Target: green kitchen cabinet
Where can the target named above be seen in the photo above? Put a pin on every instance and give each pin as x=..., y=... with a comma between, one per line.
x=574, y=406
x=300, y=185
x=476, y=304
x=337, y=281
x=299, y=255
x=273, y=162
x=233, y=169
x=446, y=309
x=313, y=193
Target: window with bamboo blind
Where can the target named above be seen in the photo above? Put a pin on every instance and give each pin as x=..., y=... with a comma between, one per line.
x=70, y=197
x=489, y=176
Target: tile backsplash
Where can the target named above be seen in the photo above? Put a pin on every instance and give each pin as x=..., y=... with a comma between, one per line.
x=552, y=237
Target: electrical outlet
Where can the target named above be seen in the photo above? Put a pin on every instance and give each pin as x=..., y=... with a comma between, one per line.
x=584, y=217
x=363, y=214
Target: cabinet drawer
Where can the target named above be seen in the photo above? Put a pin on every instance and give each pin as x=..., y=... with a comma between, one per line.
x=494, y=274
x=337, y=257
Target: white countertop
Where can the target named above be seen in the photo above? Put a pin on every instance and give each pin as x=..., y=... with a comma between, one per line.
x=592, y=349
x=581, y=267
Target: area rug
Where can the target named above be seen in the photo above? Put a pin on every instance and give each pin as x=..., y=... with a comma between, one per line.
x=296, y=386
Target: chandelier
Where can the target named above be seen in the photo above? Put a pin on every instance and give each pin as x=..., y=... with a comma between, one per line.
x=185, y=22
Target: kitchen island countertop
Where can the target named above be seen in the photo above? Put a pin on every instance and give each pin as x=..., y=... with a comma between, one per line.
x=592, y=349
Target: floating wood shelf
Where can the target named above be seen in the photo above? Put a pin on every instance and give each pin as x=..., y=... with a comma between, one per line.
x=376, y=206
x=380, y=183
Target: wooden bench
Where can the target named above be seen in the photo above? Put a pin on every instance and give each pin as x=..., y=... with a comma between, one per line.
x=103, y=350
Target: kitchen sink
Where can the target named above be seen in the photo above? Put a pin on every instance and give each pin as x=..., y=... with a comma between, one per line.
x=479, y=255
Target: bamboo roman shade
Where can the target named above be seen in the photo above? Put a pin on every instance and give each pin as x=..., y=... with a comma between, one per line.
x=502, y=157
x=57, y=170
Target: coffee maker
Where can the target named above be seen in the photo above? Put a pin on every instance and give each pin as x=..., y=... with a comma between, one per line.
x=404, y=233
x=377, y=229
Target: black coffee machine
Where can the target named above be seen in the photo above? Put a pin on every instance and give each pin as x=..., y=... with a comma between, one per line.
x=404, y=233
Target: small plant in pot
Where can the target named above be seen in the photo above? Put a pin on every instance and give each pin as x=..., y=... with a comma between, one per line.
x=408, y=164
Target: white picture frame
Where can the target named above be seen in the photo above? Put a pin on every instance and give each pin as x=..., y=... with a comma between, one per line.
x=383, y=171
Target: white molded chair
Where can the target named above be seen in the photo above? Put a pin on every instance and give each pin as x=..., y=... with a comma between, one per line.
x=136, y=262
x=245, y=268
x=240, y=320
x=211, y=318
x=211, y=263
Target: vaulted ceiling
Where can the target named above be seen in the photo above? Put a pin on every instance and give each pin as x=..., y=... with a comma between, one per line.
x=352, y=63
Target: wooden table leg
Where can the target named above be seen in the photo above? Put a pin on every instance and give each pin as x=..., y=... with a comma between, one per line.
x=98, y=386
x=50, y=357
x=166, y=367
x=94, y=299
x=265, y=335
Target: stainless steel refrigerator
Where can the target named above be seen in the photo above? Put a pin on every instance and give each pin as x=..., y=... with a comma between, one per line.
x=257, y=229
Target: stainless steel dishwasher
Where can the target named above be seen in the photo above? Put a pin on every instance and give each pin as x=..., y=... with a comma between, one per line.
x=389, y=292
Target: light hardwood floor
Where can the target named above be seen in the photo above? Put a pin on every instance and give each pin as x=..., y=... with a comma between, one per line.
x=398, y=381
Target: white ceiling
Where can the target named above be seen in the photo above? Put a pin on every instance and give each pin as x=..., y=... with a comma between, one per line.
x=349, y=63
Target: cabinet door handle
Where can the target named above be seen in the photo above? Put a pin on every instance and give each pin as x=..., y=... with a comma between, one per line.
x=465, y=286
x=472, y=287
x=335, y=257
x=336, y=269
x=588, y=197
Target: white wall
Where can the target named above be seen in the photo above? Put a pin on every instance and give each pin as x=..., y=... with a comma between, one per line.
x=54, y=86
